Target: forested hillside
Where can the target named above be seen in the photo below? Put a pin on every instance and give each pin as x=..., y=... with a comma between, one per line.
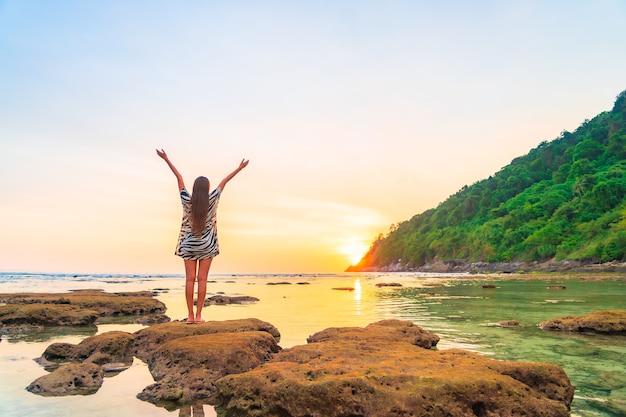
x=564, y=200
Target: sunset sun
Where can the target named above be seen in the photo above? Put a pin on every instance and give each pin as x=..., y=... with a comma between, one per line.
x=354, y=251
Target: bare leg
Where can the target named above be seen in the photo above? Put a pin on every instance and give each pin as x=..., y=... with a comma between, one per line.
x=203, y=274
x=190, y=281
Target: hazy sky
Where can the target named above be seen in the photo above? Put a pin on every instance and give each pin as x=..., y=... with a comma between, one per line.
x=354, y=114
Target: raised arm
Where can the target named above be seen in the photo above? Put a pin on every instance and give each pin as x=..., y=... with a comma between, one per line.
x=179, y=177
x=230, y=176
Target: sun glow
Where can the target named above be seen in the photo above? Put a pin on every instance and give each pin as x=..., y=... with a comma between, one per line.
x=354, y=251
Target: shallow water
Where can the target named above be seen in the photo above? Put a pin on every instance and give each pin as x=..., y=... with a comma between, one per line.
x=456, y=307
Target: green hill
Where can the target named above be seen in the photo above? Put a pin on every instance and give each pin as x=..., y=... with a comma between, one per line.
x=564, y=200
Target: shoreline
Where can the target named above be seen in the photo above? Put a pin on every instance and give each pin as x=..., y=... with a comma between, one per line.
x=454, y=306
x=463, y=266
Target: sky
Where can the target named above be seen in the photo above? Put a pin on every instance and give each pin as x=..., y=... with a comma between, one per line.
x=355, y=115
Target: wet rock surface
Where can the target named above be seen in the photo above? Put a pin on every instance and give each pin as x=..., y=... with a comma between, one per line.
x=77, y=308
x=186, y=369
x=185, y=360
x=608, y=322
x=374, y=372
x=384, y=330
x=388, y=368
x=24, y=317
x=226, y=299
x=151, y=338
x=71, y=379
x=109, y=347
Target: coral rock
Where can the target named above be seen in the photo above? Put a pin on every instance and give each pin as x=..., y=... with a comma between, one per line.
x=343, y=373
x=609, y=322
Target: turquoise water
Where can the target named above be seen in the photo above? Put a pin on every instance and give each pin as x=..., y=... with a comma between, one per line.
x=465, y=313
x=456, y=307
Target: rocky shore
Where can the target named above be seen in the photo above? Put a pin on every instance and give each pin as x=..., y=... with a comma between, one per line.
x=460, y=265
x=388, y=368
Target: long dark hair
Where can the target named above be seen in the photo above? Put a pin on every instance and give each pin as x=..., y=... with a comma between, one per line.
x=199, y=205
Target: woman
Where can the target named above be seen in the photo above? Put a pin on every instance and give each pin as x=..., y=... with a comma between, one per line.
x=197, y=241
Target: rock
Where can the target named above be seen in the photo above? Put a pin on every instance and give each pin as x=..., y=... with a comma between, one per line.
x=151, y=338
x=153, y=319
x=115, y=346
x=59, y=352
x=434, y=284
x=105, y=304
x=388, y=284
x=113, y=350
x=577, y=348
x=186, y=368
x=609, y=406
x=115, y=367
x=608, y=322
x=344, y=289
x=508, y=323
x=35, y=316
x=556, y=287
x=381, y=371
x=72, y=379
x=489, y=286
x=399, y=330
x=464, y=265
x=279, y=283
x=224, y=299
x=609, y=380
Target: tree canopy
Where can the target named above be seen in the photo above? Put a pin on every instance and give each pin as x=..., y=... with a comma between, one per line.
x=565, y=199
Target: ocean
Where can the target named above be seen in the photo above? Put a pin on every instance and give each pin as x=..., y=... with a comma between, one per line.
x=454, y=306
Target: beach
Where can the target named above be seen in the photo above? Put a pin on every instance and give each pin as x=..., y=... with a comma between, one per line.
x=456, y=307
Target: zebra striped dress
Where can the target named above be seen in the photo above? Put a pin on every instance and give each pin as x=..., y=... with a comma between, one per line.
x=205, y=246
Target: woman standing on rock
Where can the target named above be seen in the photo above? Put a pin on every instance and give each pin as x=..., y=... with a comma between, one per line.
x=197, y=241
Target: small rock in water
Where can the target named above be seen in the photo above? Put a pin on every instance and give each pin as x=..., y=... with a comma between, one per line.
x=153, y=319
x=556, y=287
x=72, y=379
x=115, y=367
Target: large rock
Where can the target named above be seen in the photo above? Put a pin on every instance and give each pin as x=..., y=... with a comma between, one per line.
x=185, y=369
x=72, y=379
x=345, y=373
x=25, y=316
x=151, y=338
x=106, y=304
x=609, y=322
x=186, y=359
x=384, y=330
x=109, y=347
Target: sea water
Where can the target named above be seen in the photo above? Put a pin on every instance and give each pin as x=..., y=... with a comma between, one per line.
x=457, y=307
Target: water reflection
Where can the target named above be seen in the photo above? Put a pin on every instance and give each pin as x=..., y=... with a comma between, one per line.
x=196, y=410
x=357, y=296
x=49, y=333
